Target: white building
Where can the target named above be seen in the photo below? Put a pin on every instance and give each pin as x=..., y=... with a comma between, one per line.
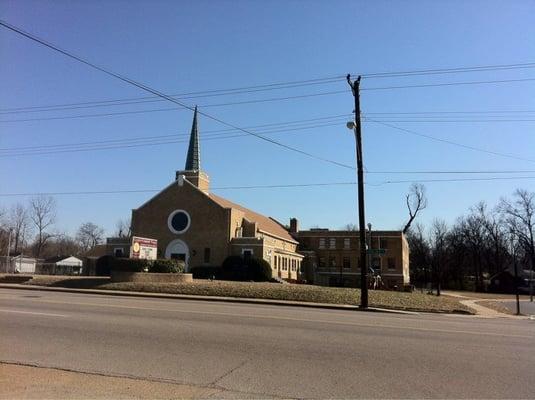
x=62, y=265
x=20, y=264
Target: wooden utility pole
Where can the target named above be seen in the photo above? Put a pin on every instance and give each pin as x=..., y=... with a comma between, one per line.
x=355, y=88
x=513, y=253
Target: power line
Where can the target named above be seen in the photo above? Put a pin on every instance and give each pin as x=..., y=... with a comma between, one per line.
x=91, y=115
x=275, y=186
x=225, y=134
x=209, y=133
x=164, y=96
x=449, y=84
x=233, y=103
x=480, y=68
x=493, y=178
x=183, y=96
x=165, y=139
x=108, y=104
x=451, y=112
x=154, y=143
x=217, y=132
x=457, y=120
x=282, y=85
x=450, y=142
x=222, y=104
x=453, y=172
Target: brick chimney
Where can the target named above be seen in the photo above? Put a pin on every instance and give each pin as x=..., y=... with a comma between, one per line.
x=294, y=225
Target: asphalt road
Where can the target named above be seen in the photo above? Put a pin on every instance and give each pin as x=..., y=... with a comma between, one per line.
x=526, y=307
x=244, y=350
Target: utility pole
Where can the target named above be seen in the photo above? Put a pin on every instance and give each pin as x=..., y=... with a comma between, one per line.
x=8, y=264
x=355, y=88
x=513, y=252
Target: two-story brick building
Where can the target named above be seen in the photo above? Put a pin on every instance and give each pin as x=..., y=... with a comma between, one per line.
x=332, y=257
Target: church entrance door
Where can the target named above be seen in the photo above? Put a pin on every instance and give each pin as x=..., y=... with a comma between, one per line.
x=178, y=250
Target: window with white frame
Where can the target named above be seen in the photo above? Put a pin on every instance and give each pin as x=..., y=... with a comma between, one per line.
x=347, y=243
x=322, y=243
x=332, y=243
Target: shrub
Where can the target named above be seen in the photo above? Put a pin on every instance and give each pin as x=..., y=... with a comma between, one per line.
x=237, y=269
x=103, y=265
x=234, y=269
x=166, y=266
x=129, y=264
x=259, y=270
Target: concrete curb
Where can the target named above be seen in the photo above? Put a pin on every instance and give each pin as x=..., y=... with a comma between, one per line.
x=204, y=298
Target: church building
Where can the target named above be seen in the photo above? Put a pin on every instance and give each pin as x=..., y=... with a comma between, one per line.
x=202, y=229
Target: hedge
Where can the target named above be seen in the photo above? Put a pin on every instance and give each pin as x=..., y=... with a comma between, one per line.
x=166, y=266
x=129, y=264
x=142, y=265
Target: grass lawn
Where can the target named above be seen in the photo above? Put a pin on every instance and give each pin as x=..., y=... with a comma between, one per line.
x=307, y=293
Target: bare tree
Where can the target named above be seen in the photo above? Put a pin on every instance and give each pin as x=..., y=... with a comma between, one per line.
x=497, y=241
x=351, y=227
x=416, y=202
x=19, y=222
x=43, y=215
x=89, y=235
x=520, y=217
x=4, y=232
x=123, y=228
x=62, y=245
x=472, y=231
x=420, y=255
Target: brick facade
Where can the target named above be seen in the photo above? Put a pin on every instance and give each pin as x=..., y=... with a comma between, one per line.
x=333, y=257
x=217, y=229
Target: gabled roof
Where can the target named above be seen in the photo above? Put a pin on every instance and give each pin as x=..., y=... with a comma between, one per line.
x=266, y=224
x=56, y=259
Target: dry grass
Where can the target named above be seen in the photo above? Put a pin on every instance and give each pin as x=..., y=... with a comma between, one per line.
x=274, y=291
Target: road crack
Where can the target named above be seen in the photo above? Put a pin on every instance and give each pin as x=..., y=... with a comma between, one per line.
x=217, y=380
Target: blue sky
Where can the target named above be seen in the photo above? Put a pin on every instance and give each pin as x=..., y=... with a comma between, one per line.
x=180, y=47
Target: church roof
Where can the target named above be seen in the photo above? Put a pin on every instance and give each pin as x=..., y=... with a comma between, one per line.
x=266, y=224
x=193, y=159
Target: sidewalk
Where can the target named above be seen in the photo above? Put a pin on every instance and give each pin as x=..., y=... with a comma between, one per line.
x=35, y=382
x=482, y=311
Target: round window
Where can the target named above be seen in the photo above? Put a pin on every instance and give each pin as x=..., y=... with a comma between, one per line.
x=179, y=221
